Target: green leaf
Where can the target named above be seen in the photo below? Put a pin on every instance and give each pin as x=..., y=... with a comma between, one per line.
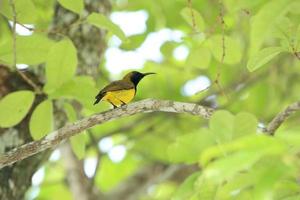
x=206, y=189
x=263, y=21
x=155, y=152
x=61, y=65
x=261, y=151
x=221, y=124
x=236, y=6
x=188, y=147
x=30, y=50
x=73, y=5
x=240, y=183
x=199, y=57
x=78, y=144
x=167, y=49
x=287, y=188
x=250, y=143
x=233, y=49
x=268, y=179
x=186, y=189
x=111, y=173
x=283, y=29
x=193, y=18
x=225, y=126
x=70, y=112
x=262, y=57
x=41, y=121
x=14, y=107
x=5, y=32
x=25, y=10
x=102, y=21
x=53, y=173
x=289, y=135
x=134, y=42
x=82, y=88
x=56, y=191
x=245, y=124
x=294, y=7
x=225, y=168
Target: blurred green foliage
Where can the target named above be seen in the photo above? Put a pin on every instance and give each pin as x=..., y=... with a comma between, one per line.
x=256, y=52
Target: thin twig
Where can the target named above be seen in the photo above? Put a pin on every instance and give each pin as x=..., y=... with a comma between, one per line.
x=36, y=88
x=194, y=25
x=239, y=86
x=281, y=117
x=22, y=74
x=290, y=42
x=26, y=27
x=217, y=80
x=297, y=54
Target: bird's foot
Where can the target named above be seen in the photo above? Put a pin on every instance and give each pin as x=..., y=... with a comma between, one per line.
x=123, y=104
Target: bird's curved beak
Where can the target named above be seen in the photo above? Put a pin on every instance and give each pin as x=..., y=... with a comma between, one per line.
x=149, y=73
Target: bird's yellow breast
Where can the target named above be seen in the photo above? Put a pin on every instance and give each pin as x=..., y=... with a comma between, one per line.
x=119, y=97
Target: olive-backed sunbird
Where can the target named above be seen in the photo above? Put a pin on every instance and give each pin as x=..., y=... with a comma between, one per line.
x=121, y=92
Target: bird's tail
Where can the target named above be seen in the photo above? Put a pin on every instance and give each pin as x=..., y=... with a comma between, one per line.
x=98, y=98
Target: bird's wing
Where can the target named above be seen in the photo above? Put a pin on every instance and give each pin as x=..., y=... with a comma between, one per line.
x=115, y=86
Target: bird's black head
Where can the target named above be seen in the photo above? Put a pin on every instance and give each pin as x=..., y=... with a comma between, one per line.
x=136, y=76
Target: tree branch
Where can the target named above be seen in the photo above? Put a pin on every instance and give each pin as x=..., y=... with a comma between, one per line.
x=281, y=117
x=193, y=16
x=56, y=137
x=148, y=105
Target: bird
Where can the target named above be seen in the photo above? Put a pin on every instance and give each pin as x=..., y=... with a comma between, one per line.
x=121, y=92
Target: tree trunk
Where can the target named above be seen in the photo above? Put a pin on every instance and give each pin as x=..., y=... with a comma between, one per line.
x=16, y=179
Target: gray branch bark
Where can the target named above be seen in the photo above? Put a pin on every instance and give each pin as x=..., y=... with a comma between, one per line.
x=281, y=117
x=148, y=105
x=56, y=137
